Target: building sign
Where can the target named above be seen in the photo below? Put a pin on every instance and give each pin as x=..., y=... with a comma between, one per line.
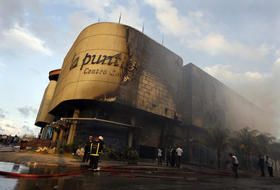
x=92, y=59
x=89, y=62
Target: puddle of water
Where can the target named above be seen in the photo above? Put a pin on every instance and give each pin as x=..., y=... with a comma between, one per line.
x=10, y=183
x=21, y=183
x=20, y=168
x=12, y=167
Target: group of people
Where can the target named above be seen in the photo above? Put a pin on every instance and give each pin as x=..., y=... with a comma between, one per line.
x=93, y=148
x=263, y=161
x=173, y=157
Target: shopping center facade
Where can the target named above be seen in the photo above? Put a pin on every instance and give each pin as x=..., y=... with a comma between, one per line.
x=117, y=82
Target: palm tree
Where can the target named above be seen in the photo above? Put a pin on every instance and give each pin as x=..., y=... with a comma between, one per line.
x=218, y=139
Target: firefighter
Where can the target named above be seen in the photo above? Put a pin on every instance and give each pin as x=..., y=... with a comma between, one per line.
x=95, y=148
x=101, y=140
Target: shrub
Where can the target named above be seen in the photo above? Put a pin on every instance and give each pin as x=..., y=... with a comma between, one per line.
x=122, y=154
x=132, y=154
x=109, y=153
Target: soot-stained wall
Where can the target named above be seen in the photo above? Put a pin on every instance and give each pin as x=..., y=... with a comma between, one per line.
x=153, y=76
x=206, y=102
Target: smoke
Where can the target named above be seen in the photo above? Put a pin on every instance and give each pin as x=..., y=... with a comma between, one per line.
x=260, y=89
x=266, y=94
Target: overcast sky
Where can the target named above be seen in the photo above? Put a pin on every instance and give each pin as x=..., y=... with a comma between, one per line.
x=237, y=42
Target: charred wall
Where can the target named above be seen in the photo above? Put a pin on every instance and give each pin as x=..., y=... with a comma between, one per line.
x=153, y=76
x=111, y=62
x=210, y=103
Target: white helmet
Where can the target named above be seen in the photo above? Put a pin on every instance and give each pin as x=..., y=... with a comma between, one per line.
x=101, y=138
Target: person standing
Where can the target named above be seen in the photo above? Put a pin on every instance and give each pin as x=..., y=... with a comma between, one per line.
x=261, y=164
x=173, y=156
x=15, y=139
x=101, y=141
x=179, y=153
x=168, y=156
x=94, y=152
x=87, y=146
x=269, y=163
x=159, y=156
x=235, y=164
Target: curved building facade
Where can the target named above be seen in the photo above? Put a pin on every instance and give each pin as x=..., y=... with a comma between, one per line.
x=95, y=65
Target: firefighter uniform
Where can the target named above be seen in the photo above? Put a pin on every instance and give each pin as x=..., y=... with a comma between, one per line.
x=95, y=148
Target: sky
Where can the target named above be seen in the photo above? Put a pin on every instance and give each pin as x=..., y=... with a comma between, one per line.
x=237, y=42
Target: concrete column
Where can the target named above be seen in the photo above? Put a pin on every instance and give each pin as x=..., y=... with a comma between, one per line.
x=54, y=135
x=61, y=135
x=72, y=130
x=60, y=138
x=70, y=134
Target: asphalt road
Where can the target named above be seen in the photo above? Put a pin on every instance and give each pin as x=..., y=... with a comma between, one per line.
x=130, y=181
x=101, y=181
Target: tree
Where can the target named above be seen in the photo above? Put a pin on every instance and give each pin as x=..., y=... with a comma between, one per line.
x=218, y=138
x=263, y=141
x=247, y=140
x=275, y=150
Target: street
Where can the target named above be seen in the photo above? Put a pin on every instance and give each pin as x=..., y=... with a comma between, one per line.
x=101, y=181
x=119, y=181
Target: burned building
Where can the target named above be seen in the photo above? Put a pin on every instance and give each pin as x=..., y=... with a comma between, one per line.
x=117, y=82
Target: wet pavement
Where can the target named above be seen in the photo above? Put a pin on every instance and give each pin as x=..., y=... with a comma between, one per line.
x=25, y=157
x=119, y=181
x=142, y=176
